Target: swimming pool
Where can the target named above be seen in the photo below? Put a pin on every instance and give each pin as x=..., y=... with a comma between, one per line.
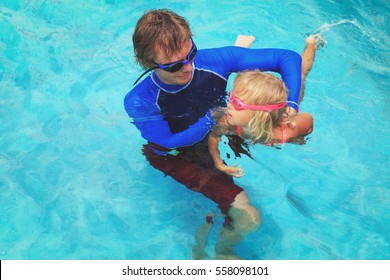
x=74, y=183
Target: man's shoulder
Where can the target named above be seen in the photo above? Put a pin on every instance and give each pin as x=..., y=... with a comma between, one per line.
x=143, y=94
x=143, y=87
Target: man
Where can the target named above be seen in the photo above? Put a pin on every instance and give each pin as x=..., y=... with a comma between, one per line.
x=172, y=109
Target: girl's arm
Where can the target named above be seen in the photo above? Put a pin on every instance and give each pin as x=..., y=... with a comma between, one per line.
x=218, y=162
x=214, y=139
x=214, y=151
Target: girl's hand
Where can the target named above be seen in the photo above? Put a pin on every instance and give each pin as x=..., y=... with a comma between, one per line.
x=231, y=170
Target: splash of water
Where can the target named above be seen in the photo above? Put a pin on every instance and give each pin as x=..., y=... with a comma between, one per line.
x=327, y=26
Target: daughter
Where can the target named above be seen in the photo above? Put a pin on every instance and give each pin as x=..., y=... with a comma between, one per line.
x=258, y=111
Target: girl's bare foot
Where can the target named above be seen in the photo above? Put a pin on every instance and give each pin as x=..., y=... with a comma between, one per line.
x=244, y=41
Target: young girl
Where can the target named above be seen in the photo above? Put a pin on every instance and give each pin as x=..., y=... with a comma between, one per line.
x=258, y=111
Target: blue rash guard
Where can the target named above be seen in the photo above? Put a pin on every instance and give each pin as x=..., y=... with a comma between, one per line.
x=175, y=116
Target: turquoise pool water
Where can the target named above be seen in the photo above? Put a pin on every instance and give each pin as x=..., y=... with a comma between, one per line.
x=73, y=181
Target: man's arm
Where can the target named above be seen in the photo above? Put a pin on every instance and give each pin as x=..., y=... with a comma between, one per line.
x=158, y=132
x=286, y=62
x=149, y=121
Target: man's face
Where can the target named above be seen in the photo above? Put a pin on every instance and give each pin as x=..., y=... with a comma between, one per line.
x=181, y=77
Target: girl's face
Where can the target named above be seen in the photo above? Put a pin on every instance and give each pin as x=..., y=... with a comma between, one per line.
x=238, y=117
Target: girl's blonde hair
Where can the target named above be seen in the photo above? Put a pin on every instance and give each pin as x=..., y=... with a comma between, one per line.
x=259, y=88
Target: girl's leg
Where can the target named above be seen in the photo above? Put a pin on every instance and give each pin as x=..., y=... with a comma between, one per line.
x=308, y=55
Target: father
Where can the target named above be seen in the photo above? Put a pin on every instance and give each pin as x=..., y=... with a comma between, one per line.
x=171, y=107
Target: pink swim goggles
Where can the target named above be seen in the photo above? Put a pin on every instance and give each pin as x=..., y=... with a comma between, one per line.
x=239, y=105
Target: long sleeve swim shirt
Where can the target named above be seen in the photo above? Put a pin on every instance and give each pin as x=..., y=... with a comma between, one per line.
x=175, y=116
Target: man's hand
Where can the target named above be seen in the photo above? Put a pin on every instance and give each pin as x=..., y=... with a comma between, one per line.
x=290, y=112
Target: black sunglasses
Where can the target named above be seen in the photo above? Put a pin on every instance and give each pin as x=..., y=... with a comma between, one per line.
x=175, y=66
